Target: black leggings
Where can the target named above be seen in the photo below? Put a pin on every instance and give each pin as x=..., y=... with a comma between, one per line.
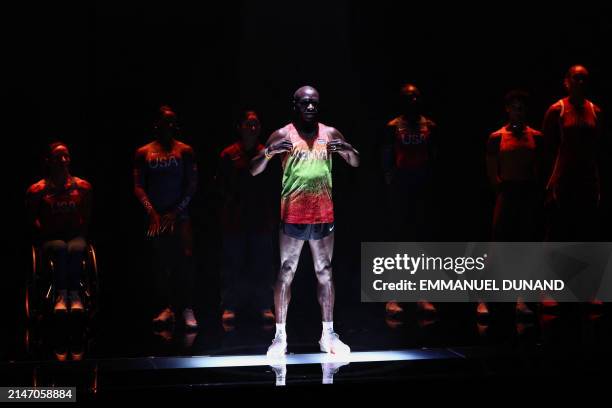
x=67, y=257
x=574, y=216
x=174, y=267
x=517, y=215
x=247, y=270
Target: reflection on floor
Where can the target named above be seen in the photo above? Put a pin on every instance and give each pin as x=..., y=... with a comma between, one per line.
x=112, y=356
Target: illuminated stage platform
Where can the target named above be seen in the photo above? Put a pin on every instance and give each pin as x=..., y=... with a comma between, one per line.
x=359, y=372
x=164, y=363
x=104, y=377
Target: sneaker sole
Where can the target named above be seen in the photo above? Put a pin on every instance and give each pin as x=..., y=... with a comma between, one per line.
x=268, y=354
x=330, y=351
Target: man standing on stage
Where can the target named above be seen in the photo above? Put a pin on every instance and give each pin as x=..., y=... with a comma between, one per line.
x=307, y=213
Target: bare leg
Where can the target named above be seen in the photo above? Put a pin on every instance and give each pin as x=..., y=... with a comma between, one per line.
x=322, y=252
x=290, y=249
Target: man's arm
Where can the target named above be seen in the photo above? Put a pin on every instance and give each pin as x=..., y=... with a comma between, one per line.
x=339, y=145
x=277, y=143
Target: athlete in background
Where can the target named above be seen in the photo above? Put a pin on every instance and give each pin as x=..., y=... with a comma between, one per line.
x=572, y=131
x=165, y=181
x=246, y=222
x=59, y=209
x=514, y=168
x=408, y=157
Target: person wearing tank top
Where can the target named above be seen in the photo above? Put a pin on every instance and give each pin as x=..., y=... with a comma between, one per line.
x=409, y=153
x=165, y=181
x=514, y=157
x=59, y=209
x=306, y=147
x=572, y=133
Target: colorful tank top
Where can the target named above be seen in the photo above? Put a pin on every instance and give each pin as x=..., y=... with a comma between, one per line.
x=306, y=194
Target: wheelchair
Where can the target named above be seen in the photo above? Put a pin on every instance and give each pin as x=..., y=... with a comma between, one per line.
x=39, y=296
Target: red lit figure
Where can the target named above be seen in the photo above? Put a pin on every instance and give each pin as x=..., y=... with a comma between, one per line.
x=514, y=167
x=59, y=208
x=572, y=131
x=408, y=156
x=246, y=222
x=165, y=180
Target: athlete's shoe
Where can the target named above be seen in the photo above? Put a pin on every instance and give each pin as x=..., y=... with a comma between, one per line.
x=267, y=315
x=189, y=319
x=77, y=355
x=393, y=308
x=549, y=303
x=425, y=306
x=61, y=355
x=523, y=309
x=165, y=316
x=228, y=315
x=76, y=305
x=331, y=343
x=482, y=309
x=60, y=302
x=278, y=348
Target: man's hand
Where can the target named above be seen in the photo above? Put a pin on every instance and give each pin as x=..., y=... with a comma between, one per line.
x=283, y=146
x=338, y=145
x=154, y=225
x=167, y=222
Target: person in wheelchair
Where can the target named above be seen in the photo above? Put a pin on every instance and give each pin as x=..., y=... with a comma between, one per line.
x=59, y=209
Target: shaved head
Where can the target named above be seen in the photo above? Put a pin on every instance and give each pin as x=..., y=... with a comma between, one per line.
x=305, y=91
x=306, y=104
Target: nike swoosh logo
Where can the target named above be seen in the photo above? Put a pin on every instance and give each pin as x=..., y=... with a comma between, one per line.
x=331, y=228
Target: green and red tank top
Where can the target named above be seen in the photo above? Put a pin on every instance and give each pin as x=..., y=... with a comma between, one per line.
x=306, y=194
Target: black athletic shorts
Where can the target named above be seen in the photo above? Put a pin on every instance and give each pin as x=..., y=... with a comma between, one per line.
x=307, y=232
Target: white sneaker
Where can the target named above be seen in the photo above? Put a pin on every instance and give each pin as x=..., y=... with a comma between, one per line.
x=76, y=305
x=189, y=319
x=278, y=348
x=329, y=369
x=331, y=343
x=166, y=315
x=280, y=371
x=60, y=302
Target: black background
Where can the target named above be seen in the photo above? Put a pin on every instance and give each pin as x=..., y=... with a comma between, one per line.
x=94, y=74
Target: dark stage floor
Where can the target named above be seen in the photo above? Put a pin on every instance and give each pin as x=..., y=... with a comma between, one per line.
x=109, y=357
